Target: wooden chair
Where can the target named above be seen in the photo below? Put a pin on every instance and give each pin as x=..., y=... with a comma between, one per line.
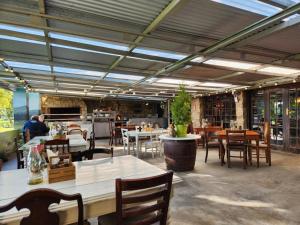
x=200, y=131
x=141, y=209
x=84, y=134
x=89, y=154
x=75, y=131
x=236, y=141
x=61, y=145
x=27, y=135
x=74, y=126
x=211, y=139
x=38, y=202
x=127, y=141
x=19, y=154
x=264, y=145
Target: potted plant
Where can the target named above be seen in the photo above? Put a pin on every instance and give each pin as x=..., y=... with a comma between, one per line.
x=181, y=111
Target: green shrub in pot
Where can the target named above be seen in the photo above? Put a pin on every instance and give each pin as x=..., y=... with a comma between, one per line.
x=181, y=111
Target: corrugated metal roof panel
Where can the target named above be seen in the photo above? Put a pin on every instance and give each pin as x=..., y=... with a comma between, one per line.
x=286, y=40
x=137, y=11
x=209, y=18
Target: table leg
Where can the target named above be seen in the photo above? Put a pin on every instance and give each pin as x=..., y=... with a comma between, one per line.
x=257, y=152
x=137, y=145
x=222, y=150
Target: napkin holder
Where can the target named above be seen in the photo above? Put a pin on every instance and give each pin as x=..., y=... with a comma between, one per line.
x=62, y=171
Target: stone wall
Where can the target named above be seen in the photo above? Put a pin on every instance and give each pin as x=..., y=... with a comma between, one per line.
x=48, y=102
x=241, y=109
x=197, y=111
x=125, y=108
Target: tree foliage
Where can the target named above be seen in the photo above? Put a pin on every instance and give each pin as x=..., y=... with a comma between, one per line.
x=181, y=107
x=6, y=109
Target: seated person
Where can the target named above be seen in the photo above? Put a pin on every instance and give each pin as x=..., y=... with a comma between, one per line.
x=43, y=128
x=33, y=126
x=36, y=127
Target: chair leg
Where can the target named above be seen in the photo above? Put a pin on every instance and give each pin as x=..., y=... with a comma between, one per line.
x=206, y=154
x=228, y=159
x=245, y=159
x=250, y=155
x=269, y=156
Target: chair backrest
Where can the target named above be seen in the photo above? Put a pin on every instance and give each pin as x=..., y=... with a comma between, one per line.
x=125, y=137
x=198, y=130
x=92, y=141
x=84, y=134
x=18, y=153
x=210, y=133
x=38, y=202
x=156, y=209
x=62, y=145
x=75, y=131
x=236, y=136
x=27, y=135
x=74, y=125
x=267, y=135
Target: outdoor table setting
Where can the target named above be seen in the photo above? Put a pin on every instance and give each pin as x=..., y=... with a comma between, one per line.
x=250, y=135
x=94, y=180
x=144, y=133
x=77, y=144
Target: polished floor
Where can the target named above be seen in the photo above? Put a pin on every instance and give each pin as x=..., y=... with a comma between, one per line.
x=215, y=195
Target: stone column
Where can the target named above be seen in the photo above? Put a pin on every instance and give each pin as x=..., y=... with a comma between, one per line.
x=241, y=109
x=197, y=111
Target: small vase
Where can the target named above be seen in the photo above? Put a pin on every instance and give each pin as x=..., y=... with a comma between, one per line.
x=35, y=166
x=181, y=130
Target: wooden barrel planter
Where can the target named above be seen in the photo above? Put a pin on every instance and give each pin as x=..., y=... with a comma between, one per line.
x=180, y=155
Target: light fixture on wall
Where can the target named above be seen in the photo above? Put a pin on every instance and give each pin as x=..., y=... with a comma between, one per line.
x=276, y=84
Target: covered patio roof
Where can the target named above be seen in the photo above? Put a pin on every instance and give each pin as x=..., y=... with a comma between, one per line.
x=145, y=49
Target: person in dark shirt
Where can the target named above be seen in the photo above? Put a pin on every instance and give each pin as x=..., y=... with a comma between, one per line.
x=36, y=127
x=33, y=126
x=43, y=128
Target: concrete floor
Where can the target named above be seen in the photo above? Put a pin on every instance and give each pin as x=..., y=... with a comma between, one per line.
x=215, y=195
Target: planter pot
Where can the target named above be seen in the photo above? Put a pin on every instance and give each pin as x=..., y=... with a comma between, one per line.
x=1, y=164
x=181, y=130
x=180, y=155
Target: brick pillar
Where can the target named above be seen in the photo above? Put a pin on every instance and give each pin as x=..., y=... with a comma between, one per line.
x=241, y=109
x=197, y=111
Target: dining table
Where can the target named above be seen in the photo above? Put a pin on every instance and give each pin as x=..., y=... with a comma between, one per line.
x=76, y=141
x=251, y=135
x=143, y=134
x=95, y=181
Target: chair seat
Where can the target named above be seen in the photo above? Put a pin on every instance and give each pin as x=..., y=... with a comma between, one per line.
x=213, y=144
x=261, y=145
x=110, y=219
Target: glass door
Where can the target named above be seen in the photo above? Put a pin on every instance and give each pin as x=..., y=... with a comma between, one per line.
x=276, y=117
x=294, y=119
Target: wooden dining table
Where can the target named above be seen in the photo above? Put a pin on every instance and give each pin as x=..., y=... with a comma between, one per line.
x=95, y=181
x=250, y=136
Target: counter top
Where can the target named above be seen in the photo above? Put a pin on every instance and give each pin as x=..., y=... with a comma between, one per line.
x=187, y=138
